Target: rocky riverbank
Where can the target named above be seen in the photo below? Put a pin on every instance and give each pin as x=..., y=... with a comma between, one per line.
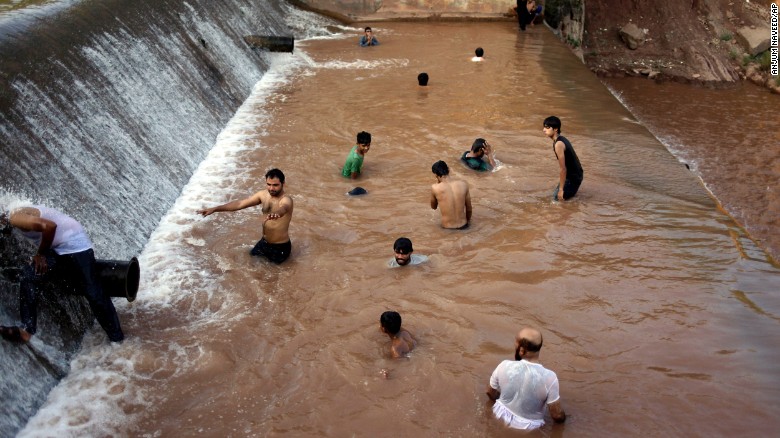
x=711, y=42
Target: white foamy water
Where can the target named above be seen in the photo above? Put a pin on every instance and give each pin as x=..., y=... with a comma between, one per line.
x=93, y=398
x=223, y=344
x=101, y=395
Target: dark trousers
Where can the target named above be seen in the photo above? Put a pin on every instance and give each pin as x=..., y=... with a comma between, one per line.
x=569, y=189
x=71, y=273
x=275, y=252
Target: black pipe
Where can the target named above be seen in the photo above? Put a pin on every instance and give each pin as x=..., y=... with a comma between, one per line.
x=119, y=278
x=271, y=43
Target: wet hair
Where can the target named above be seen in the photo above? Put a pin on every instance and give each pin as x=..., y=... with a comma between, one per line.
x=403, y=245
x=530, y=346
x=275, y=173
x=477, y=145
x=391, y=321
x=479, y=52
x=440, y=168
x=367, y=28
x=553, y=122
x=363, y=137
x=422, y=79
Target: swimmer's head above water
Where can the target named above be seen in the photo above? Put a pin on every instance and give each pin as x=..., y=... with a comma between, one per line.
x=390, y=322
x=422, y=79
x=478, y=147
x=403, y=251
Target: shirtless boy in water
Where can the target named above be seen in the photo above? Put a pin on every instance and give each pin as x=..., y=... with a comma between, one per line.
x=451, y=197
x=402, y=341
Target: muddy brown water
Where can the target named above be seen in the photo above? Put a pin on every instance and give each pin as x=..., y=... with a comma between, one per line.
x=659, y=315
x=731, y=137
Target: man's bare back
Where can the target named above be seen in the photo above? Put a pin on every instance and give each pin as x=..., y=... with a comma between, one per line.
x=452, y=197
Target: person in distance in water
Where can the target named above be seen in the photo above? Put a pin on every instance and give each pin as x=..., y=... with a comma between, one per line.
x=368, y=38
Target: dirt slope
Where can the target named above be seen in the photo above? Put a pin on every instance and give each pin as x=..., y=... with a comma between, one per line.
x=687, y=40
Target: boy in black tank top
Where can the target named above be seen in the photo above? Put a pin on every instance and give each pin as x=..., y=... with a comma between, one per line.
x=571, y=174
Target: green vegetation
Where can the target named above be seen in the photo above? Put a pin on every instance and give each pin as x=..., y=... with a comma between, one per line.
x=764, y=60
x=574, y=42
x=733, y=54
x=726, y=36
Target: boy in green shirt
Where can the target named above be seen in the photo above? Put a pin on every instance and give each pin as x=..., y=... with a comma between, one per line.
x=354, y=163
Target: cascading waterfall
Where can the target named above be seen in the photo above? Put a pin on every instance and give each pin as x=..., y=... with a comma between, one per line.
x=106, y=109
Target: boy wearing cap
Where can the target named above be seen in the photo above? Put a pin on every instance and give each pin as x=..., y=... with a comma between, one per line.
x=403, y=254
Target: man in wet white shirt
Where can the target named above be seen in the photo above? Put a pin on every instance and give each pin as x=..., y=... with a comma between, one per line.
x=403, y=254
x=521, y=388
x=65, y=257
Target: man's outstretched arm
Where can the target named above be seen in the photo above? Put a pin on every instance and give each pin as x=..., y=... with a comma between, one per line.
x=233, y=205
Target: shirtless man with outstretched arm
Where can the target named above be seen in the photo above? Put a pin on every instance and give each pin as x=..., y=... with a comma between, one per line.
x=452, y=198
x=277, y=209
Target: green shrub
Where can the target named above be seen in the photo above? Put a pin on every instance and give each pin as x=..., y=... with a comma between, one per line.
x=726, y=36
x=733, y=54
x=764, y=60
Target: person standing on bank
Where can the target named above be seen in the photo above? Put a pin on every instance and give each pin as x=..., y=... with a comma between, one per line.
x=452, y=195
x=65, y=257
x=521, y=388
x=571, y=174
x=527, y=12
x=277, y=208
x=368, y=39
